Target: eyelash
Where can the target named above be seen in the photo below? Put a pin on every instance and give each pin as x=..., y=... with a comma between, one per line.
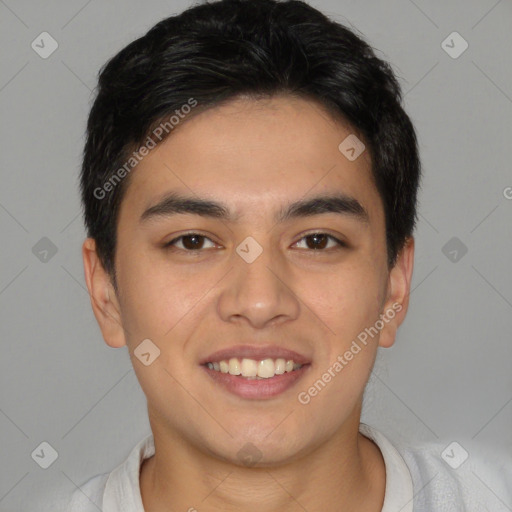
x=170, y=245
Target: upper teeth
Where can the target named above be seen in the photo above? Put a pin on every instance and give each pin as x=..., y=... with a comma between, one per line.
x=263, y=369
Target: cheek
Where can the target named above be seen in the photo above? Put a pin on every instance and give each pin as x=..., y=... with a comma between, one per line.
x=163, y=386
x=347, y=300
x=155, y=299
x=350, y=306
x=334, y=391
x=337, y=381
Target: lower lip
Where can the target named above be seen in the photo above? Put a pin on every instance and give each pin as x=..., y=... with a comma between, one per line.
x=258, y=389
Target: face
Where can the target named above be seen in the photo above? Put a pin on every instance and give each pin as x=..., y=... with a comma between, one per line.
x=251, y=281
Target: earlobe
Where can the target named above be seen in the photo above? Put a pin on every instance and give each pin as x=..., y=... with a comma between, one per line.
x=104, y=302
x=399, y=289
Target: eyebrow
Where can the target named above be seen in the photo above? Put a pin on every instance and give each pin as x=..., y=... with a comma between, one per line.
x=174, y=203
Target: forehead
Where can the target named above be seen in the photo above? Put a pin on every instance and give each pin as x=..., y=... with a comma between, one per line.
x=247, y=153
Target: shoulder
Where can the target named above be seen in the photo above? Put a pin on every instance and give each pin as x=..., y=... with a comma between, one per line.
x=114, y=489
x=459, y=476
x=89, y=496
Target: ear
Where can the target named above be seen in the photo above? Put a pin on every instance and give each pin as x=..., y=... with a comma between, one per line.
x=104, y=300
x=398, y=290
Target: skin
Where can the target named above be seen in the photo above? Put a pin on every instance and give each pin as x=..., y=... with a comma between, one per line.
x=256, y=156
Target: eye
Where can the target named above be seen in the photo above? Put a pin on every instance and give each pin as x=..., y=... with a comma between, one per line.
x=194, y=242
x=321, y=241
x=189, y=242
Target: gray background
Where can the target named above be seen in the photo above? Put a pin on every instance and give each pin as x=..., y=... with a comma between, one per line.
x=448, y=377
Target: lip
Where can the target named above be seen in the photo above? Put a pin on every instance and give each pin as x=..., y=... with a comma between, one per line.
x=257, y=353
x=257, y=389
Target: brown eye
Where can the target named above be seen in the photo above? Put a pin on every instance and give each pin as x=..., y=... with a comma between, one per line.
x=316, y=241
x=189, y=242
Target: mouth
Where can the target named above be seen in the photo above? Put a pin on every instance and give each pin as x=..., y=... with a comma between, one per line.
x=256, y=372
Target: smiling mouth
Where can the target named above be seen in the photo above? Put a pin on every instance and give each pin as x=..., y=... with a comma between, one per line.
x=253, y=369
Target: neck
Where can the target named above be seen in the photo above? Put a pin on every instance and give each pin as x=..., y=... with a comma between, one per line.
x=345, y=473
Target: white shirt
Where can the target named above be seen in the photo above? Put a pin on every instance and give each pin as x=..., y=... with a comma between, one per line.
x=417, y=480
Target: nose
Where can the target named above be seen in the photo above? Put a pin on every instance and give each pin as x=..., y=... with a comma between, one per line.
x=259, y=293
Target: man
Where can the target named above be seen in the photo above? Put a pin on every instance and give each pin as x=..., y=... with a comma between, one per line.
x=249, y=185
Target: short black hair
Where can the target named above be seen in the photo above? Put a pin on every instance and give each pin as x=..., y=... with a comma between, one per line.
x=218, y=51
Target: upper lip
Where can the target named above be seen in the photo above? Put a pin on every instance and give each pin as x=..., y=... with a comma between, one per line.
x=257, y=353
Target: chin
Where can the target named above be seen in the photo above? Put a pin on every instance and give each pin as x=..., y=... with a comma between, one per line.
x=260, y=449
